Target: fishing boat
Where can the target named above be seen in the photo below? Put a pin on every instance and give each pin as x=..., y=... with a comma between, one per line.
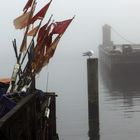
x=121, y=61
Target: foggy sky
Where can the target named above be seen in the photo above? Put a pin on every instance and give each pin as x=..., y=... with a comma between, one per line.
x=67, y=69
x=83, y=34
x=85, y=31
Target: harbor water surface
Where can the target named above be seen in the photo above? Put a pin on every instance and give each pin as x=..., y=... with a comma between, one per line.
x=119, y=113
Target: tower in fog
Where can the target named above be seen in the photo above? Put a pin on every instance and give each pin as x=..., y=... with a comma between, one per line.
x=107, y=35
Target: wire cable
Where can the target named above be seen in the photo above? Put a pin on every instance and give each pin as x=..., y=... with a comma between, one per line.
x=122, y=36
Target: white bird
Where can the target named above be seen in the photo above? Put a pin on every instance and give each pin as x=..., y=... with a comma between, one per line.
x=88, y=53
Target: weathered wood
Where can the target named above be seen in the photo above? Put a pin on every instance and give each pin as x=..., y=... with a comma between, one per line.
x=93, y=98
x=27, y=120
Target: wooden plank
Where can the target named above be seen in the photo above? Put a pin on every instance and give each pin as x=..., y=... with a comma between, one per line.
x=12, y=114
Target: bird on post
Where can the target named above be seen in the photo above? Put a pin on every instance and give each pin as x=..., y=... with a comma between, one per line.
x=88, y=53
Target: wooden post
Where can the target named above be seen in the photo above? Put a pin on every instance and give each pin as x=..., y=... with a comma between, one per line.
x=93, y=99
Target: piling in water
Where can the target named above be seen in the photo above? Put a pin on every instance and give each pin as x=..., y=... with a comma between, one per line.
x=93, y=99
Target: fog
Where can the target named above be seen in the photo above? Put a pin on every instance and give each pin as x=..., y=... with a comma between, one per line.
x=85, y=31
x=67, y=69
x=83, y=34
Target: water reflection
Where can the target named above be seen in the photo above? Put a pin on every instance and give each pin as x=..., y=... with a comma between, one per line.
x=120, y=107
x=125, y=90
x=115, y=80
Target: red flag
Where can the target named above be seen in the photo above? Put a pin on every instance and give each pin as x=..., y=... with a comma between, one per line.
x=27, y=6
x=41, y=32
x=45, y=36
x=60, y=27
x=52, y=48
x=44, y=59
x=48, y=41
x=41, y=13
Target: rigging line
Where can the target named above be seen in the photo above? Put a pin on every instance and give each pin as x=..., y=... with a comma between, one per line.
x=122, y=36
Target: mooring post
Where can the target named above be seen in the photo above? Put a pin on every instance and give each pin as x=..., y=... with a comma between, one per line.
x=93, y=99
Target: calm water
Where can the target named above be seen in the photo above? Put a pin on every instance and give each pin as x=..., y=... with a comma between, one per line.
x=119, y=113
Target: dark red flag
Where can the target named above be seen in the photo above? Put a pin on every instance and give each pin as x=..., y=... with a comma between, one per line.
x=44, y=40
x=45, y=35
x=27, y=6
x=41, y=32
x=41, y=13
x=60, y=27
